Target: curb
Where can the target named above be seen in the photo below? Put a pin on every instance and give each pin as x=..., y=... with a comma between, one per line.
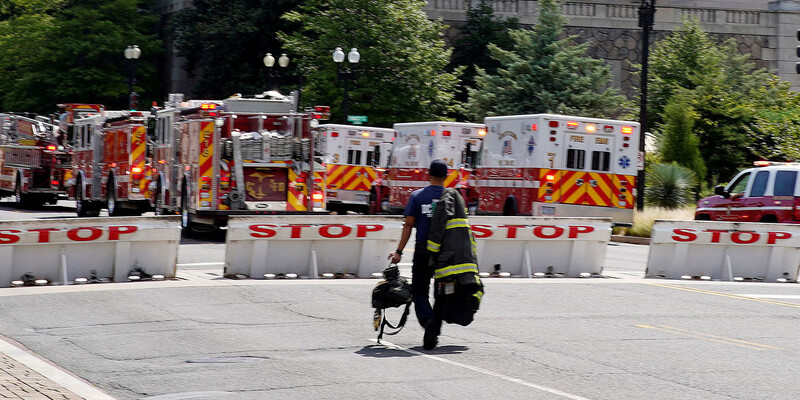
x=630, y=239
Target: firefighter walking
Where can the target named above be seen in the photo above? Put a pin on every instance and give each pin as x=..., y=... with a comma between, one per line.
x=418, y=213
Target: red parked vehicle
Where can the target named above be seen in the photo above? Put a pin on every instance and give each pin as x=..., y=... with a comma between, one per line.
x=768, y=192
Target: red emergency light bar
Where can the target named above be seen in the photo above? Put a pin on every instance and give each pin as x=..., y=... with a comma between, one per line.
x=51, y=147
x=433, y=133
x=136, y=170
x=445, y=133
x=572, y=125
x=554, y=124
x=534, y=127
x=608, y=128
x=334, y=134
x=627, y=130
x=208, y=106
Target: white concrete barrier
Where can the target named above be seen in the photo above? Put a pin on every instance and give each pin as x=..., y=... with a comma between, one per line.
x=309, y=246
x=60, y=250
x=531, y=246
x=724, y=250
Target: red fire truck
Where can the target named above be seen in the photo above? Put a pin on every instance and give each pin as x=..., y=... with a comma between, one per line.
x=416, y=145
x=32, y=160
x=109, y=168
x=238, y=156
x=355, y=158
x=557, y=165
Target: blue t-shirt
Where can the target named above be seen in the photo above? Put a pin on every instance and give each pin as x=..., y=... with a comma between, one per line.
x=420, y=206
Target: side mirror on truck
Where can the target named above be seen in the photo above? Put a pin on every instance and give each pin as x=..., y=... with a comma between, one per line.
x=720, y=191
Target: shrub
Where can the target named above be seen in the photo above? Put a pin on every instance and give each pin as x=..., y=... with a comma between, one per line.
x=670, y=186
x=643, y=220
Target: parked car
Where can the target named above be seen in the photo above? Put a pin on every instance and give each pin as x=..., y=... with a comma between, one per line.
x=768, y=192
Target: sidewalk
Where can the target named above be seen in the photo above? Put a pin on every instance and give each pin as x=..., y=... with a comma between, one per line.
x=20, y=382
x=26, y=376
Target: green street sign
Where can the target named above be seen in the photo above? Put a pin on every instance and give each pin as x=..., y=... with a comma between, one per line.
x=357, y=119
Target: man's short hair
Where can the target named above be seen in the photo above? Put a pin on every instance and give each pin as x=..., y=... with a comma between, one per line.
x=438, y=168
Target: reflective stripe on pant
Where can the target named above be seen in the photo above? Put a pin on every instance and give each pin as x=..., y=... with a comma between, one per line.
x=421, y=275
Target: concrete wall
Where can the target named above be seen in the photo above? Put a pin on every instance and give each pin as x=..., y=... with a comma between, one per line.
x=765, y=30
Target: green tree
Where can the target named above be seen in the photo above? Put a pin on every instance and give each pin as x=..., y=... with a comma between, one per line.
x=224, y=43
x=678, y=142
x=670, y=186
x=545, y=72
x=734, y=100
x=52, y=55
x=482, y=28
x=402, y=75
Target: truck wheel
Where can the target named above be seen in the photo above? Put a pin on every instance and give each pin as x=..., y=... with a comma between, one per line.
x=18, y=195
x=510, y=207
x=84, y=208
x=158, y=203
x=111, y=200
x=185, y=217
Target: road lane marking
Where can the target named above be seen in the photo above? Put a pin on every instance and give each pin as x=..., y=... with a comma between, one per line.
x=729, y=295
x=484, y=371
x=710, y=337
x=774, y=296
x=53, y=373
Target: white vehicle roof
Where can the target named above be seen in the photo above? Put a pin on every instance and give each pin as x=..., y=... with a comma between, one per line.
x=557, y=117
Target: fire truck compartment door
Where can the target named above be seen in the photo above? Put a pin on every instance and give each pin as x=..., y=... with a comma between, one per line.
x=265, y=184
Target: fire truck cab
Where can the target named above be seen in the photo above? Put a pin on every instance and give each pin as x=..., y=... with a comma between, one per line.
x=557, y=165
x=416, y=145
x=768, y=192
x=32, y=160
x=355, y=158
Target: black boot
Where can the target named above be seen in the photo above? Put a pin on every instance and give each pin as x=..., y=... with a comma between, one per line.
x=432, y=330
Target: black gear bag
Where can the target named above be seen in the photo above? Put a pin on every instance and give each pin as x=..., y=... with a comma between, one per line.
x=393, y=291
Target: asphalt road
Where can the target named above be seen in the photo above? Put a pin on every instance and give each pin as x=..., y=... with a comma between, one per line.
x=619, y=337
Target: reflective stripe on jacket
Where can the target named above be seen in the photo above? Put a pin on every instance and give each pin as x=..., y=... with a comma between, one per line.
x=450, y=237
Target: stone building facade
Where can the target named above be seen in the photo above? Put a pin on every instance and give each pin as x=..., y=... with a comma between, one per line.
x=767, y=30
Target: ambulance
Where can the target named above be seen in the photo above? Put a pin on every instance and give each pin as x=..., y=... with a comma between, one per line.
x=416, y=145
x=558, y=165
x=355, y=158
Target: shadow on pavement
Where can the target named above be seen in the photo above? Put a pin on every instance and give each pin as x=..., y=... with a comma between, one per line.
x=381, y=351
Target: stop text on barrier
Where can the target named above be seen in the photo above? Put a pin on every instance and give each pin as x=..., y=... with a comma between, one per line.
x=80, y=234
x=539, y=231
x=300, y=231
x=736, y=237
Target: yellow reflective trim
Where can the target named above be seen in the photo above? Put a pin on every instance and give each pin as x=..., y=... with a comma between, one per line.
x=479, y=295
x=457, y=223
x=455, y=270
x=433, y=246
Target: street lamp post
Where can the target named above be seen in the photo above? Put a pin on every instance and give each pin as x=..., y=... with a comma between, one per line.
x=269, y=62
x=647, y=13
x=352, y=57
x=132, y=53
